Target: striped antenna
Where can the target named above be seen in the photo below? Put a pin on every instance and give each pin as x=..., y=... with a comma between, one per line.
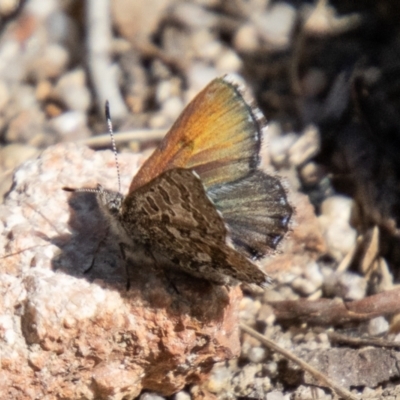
x=114, y=147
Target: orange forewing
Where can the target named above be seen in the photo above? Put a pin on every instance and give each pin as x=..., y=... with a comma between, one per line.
x=217, y=134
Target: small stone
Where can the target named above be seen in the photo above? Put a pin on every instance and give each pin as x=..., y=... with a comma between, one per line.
x=163, y=91
x=205, y=46
x=303, y=286
x=219, y=379
x=274, y=396
x=72, y=91
x=334, y=221
x=199, y=75
x=311, y=173
x=70, y=124
x=348, y=286
x=43, y=90
x=313, y=273
x=271, y=369
x=172, y=108
x=150, y=396
x=322, y=338
x=275, y=25
x=228, y=62
x=247, y=384
x=248, y=309
x=158, y=121
x=182, y=396
x=7, y=7
x=378, y=326
x=337, y=208
x=257, y=354
x=51, y=64
x=279, y=146
x=306, y=146
x=246, y=38
x=194, y=16
x=308, y=392
x=266, y=315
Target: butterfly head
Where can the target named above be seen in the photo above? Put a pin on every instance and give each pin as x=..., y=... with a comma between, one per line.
x=109, y=201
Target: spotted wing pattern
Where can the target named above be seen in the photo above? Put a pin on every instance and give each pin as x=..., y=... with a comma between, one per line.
x=173, y=216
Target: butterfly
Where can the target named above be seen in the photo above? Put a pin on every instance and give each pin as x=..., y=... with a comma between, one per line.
x=199, y=204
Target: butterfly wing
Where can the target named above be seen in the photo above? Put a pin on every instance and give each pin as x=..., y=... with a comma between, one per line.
x=257, y=211
x=218, y=135
x=173, y=216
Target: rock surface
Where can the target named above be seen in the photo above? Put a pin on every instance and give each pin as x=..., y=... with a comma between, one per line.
x=69, y=327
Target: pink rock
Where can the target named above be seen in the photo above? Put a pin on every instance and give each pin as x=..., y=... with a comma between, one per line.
x=68, y=333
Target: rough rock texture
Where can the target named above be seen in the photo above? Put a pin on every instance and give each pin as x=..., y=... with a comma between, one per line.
x=69, y=328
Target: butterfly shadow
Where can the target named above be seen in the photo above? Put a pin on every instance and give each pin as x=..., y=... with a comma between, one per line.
x=93, y=252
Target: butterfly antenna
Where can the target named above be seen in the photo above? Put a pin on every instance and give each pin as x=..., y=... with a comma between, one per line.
x=114, y=147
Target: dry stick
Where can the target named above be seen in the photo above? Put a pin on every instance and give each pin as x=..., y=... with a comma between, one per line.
x=334, y=312
x=335, y=337
x=305, y=366
x=139, y=135
x=99, y=38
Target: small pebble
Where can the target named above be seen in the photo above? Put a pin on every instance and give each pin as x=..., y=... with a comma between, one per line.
x=275, y=25
x=51, y=64
x=348, y=286
x=279, y=147
x=311, y=173
x=378, y=326
x=304, y=286
x=205, y=46
x=270, y=369
x=172, y=108
x=73, y=92
x=335, y=223
x=150, y=396
x=306, y=146
x=228, y=62
x=8, y=6
x=257, y=354
x=220, y=377
x=312, y=272
x=182, y=396
x=274, y=396
x=246, y=38
x=70, y=124
x=194, y=16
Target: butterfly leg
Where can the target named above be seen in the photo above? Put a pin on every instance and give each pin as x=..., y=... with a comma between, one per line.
x=123, y=250
x=99, y=244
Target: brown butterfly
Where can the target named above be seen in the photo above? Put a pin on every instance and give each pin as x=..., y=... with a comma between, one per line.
x=199, y=204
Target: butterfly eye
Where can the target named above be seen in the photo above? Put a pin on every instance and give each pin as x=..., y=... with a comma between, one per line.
x=114, y=204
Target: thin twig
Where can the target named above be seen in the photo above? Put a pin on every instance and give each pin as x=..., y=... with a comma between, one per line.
x=139, y=135
x=322, y=378
x=99, y=36
x=335, y=311
x=335, y=337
